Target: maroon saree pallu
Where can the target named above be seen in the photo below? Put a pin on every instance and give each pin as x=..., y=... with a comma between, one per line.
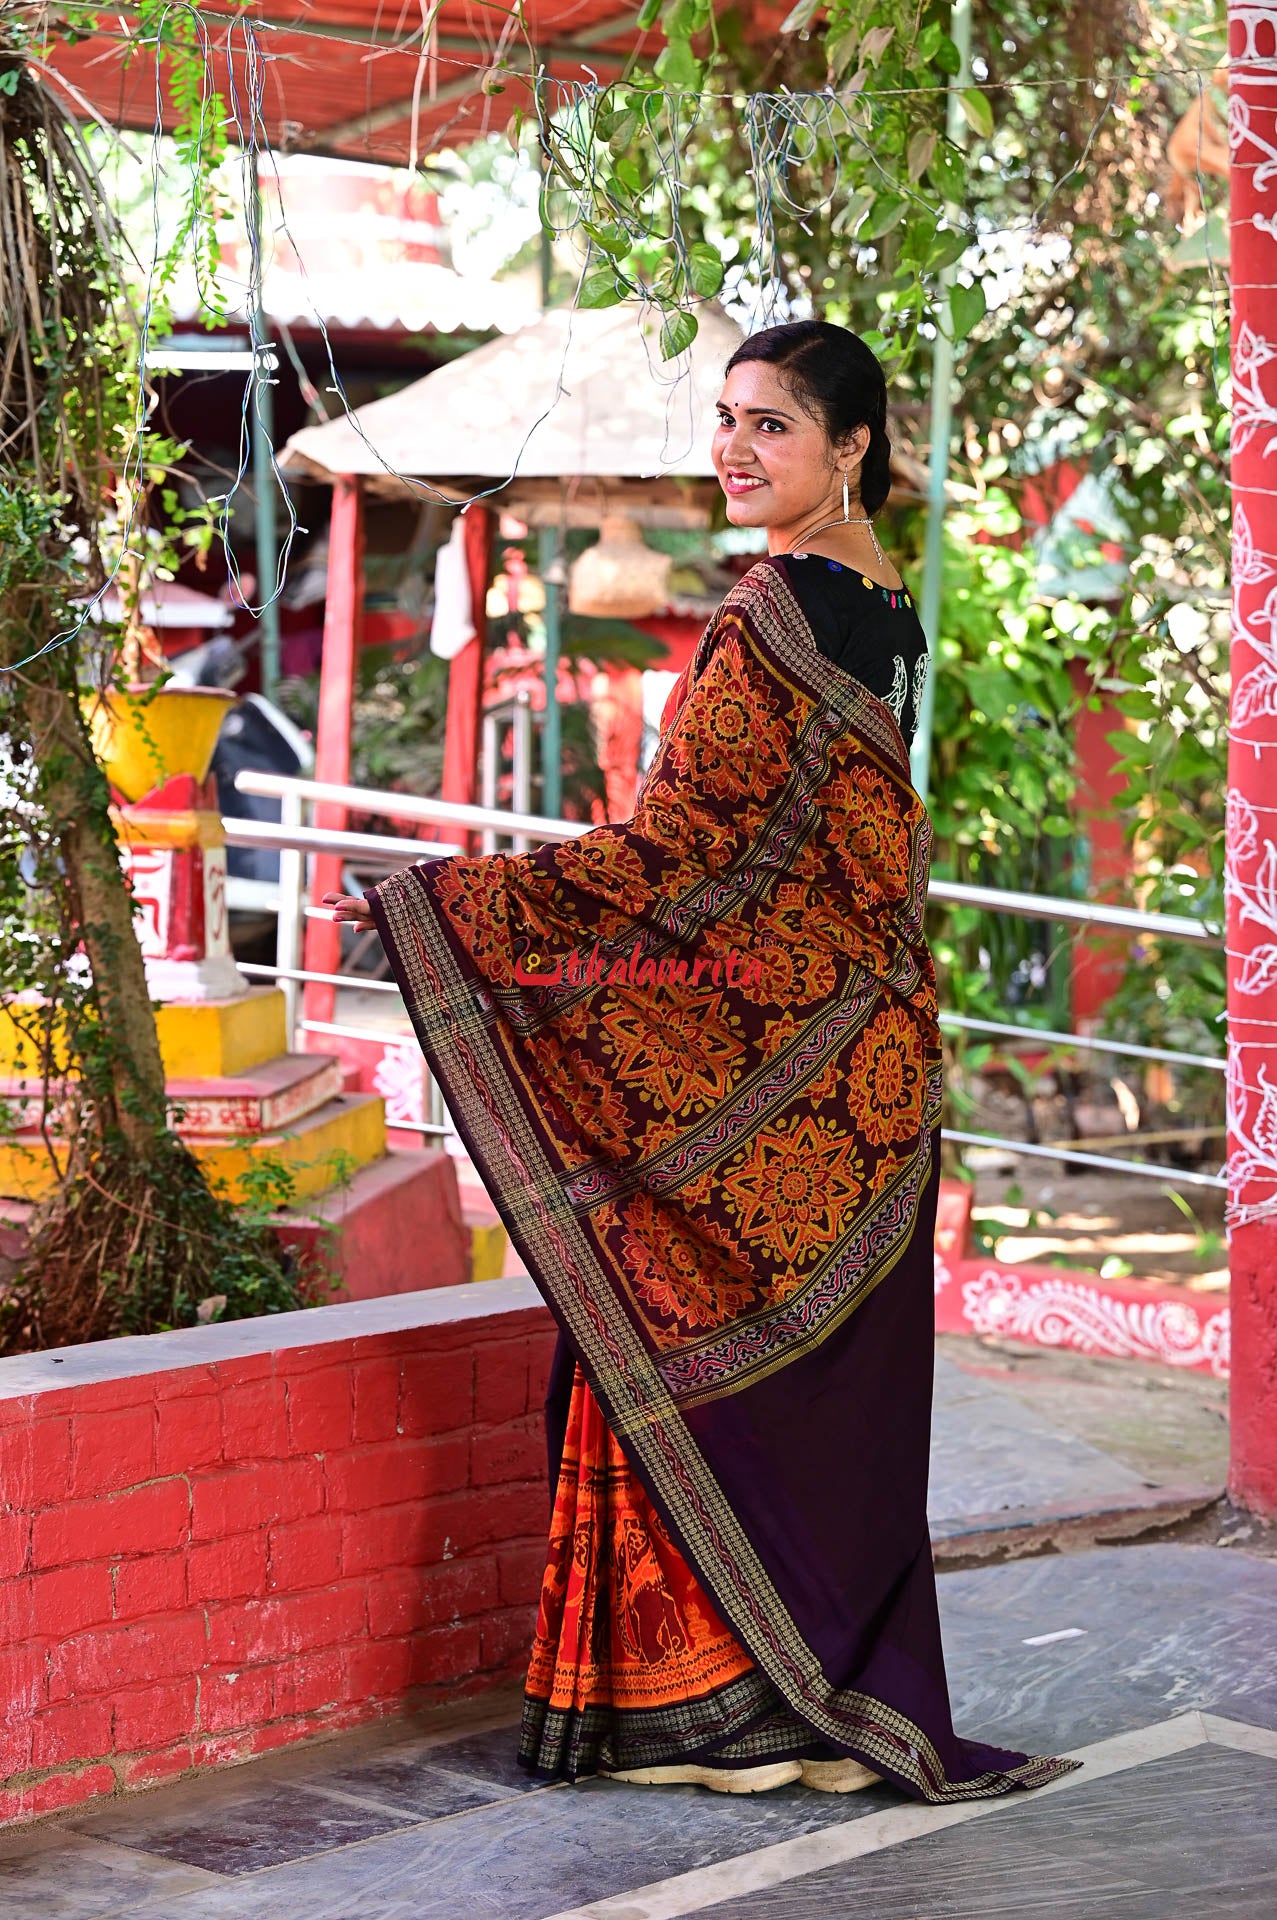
x=696, y=1059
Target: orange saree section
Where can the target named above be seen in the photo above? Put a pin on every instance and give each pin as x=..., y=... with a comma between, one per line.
x=623, y=1622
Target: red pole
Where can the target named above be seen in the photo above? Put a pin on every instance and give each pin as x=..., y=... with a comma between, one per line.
x=1251, y=861
x=465, y=680
x=343, y=630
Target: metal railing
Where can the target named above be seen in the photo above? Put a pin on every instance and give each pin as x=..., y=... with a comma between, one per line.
x=294, y=840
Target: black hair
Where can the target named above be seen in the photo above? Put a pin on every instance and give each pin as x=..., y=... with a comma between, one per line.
x=838, y=379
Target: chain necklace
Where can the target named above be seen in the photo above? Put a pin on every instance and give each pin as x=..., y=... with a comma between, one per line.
x=846, y=521
x=882, y=558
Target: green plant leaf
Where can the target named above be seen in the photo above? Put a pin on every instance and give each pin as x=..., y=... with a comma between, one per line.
x=967, y=308
x=704, y=269
x=648, y=15
x=678, y=331
x=801, y=16
x=678, y=66
x=948, y=170
x=887, y=209
x=976, y=106
x=600, y=289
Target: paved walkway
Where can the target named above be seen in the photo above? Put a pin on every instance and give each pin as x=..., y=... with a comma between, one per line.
x=1156, y=1663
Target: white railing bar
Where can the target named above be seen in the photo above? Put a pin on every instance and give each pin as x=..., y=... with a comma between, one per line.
x=318, y=979
x=384, y=1036
x=265, y=833
x=1086, y=1042
x=409, y=806
x=419, y=1126
x=1041, y=906
x=1032, y=906
x=1173, y=1176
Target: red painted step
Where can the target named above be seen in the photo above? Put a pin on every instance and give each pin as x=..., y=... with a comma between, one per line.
x=397, y=1228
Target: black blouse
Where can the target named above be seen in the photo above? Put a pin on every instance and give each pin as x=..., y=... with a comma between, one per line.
x=867, y=629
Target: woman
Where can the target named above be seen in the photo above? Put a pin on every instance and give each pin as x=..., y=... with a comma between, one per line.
x=696, y=1059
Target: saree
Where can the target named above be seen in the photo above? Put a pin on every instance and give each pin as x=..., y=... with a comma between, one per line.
x=696, y=1059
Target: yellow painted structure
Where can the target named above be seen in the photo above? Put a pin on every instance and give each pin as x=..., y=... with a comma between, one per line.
x=487, y=1251
x=216, y=1039
x=199, y=1039
x=143, y=737
x=348, y=1133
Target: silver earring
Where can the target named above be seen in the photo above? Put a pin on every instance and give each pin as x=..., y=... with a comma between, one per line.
x=846, y=497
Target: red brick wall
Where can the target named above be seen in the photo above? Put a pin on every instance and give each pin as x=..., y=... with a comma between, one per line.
x=243, y=1549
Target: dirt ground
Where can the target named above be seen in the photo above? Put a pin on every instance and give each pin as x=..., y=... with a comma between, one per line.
x=1114, y=1225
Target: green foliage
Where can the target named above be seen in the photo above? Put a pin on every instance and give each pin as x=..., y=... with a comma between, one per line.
x=130, y=1236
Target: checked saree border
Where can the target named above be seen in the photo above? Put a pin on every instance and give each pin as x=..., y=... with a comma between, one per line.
x=455, y=1032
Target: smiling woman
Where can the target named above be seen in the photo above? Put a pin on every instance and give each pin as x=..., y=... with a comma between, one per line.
x=725, y=1189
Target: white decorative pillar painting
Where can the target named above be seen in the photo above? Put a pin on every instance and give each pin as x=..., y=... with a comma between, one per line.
x=1251, y=860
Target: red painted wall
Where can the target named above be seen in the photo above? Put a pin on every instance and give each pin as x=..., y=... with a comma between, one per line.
x=242, y=1549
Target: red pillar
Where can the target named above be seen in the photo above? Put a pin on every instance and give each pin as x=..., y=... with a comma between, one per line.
x=465, y=679
x=1251, y=863
x=343, y=631
x=1099, y=961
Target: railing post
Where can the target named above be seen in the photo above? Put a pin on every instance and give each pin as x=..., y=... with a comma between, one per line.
x=488, y=774
x=1251, y=852
x=288, y=923
x=521, y=797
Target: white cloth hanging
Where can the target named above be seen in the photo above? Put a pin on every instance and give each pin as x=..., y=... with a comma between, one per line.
x=453, y=624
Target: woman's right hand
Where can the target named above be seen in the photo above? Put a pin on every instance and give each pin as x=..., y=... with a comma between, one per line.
x=349, y=907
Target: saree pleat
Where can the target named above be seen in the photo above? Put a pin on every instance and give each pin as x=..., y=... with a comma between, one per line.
x=696, y=1060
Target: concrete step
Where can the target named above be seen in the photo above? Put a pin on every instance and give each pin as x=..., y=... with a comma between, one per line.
x=488, y=1235
x=346, y=1133
x=201, y=1039
x=264, y=1099
x=396, y=1228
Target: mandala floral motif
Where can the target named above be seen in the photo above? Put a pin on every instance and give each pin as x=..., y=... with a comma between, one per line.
x=684, y=1060
x=792, y=1189
x=586, y=1090
x=605, y=862
x=886, y=1081
x=874, y=837
x=699, y=838
x=689, y=1278
x=472, y=894
x=739, y=744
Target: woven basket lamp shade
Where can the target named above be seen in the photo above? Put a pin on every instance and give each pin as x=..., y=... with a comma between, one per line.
x=620, y=577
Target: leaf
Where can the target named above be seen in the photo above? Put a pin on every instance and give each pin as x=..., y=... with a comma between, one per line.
x=801, y=16
x=704, y=269
x=841, y=51
x=949, y=245
x=600, y=288
x=887, y=209
x=927, y=45
x=677, y=333
x=921, y=148
x=648, y=15
x=624, y=128
x=678, y=66
x=979, y=112
x=967, y=307
x=875, y=44
x=611, y=239
x=948, y=171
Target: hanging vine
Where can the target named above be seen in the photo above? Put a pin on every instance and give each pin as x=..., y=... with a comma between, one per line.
x=130, y=1237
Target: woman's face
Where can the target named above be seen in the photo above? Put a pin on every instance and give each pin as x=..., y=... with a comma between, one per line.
x=774, y=461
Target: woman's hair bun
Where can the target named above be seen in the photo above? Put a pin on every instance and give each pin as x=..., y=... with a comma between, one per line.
x=838, y=379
